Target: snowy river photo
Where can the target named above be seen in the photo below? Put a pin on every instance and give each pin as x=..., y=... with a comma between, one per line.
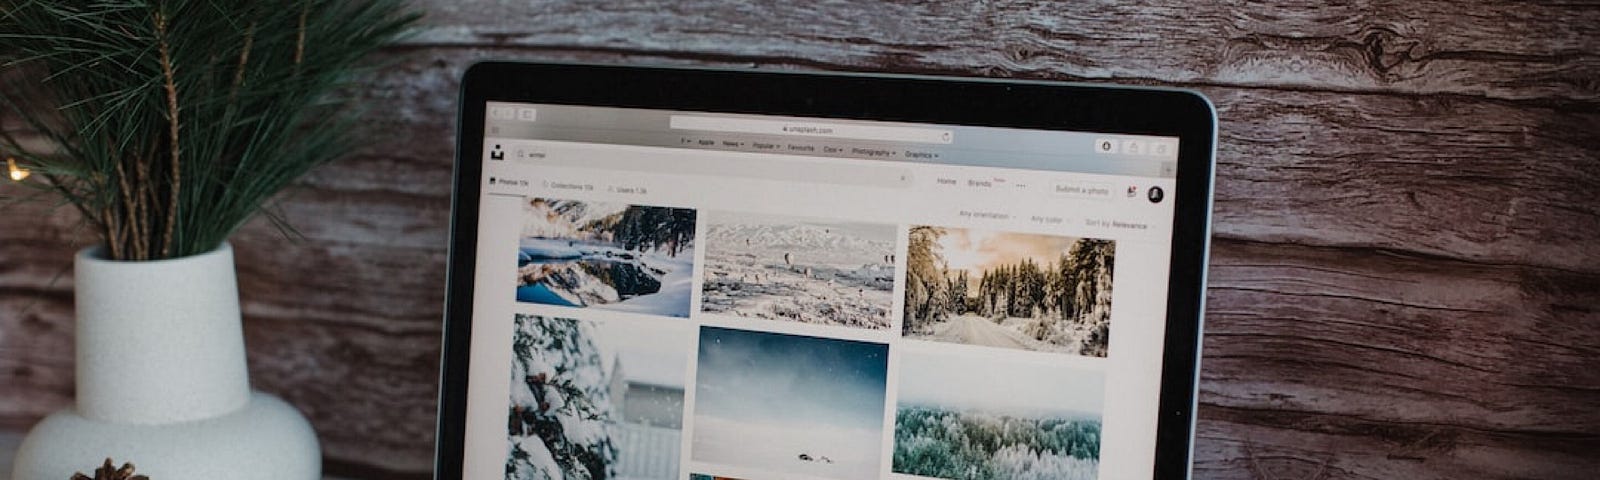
x=616, y=257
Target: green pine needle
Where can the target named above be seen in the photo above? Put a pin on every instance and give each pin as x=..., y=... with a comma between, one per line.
x=174, y=122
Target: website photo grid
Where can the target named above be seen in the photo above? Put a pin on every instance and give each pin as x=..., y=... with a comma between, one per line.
x=800, y=346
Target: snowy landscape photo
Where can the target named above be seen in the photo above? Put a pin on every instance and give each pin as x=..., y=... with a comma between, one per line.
x=611, y=256
x=597, y=400
x=796, y=269
x=963, y=418
x=1010, y=290
x=789, y=404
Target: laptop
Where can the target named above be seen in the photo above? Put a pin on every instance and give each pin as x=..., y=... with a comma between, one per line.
x=697, y=274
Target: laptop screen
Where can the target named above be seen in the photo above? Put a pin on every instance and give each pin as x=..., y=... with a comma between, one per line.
x=689, y=295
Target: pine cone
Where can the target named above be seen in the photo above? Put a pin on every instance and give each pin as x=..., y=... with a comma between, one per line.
x=109, y=472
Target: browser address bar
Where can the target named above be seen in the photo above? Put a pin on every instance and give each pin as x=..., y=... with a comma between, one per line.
x=811, y=129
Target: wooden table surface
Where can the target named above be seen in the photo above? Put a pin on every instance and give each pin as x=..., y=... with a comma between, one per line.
x=1405, y=277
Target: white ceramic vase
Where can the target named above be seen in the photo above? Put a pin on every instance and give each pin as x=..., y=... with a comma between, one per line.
x=162, y=383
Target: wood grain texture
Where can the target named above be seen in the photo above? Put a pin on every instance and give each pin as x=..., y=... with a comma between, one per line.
x=1405, y=281
x=1387, y=365
x=1504, y=49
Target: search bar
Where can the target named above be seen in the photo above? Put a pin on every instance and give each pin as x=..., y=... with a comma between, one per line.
x=811, y=129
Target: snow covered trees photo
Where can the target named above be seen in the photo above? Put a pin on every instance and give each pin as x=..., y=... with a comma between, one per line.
x=940, y=443
x=595, y=400
x=977, y=417
x=613, y=256
x=800, y=270
x=560, y=403
x=1011, y=290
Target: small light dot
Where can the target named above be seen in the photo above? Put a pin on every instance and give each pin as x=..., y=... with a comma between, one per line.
x=17, y=173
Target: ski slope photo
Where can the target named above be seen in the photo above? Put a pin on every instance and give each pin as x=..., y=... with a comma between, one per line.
x=1009, y=290
x=982, y=418
x=612, y=256
x=802, y=270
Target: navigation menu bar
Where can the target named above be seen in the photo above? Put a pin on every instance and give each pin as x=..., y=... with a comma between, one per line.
x=885, y=141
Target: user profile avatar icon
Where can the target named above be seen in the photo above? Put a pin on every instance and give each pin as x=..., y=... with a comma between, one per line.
x=497, y=153
x=1156, y=195
x=1133, y=191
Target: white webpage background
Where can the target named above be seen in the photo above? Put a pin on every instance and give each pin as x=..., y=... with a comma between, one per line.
x=1132, y=368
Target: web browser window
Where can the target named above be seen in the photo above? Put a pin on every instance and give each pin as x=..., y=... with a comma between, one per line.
x=691, y=295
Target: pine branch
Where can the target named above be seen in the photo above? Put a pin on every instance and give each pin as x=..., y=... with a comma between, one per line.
x=300, y=35
x=173, y=122
x=172, y=119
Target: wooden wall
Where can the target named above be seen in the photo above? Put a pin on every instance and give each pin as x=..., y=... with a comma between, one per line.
x=1405, y=279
